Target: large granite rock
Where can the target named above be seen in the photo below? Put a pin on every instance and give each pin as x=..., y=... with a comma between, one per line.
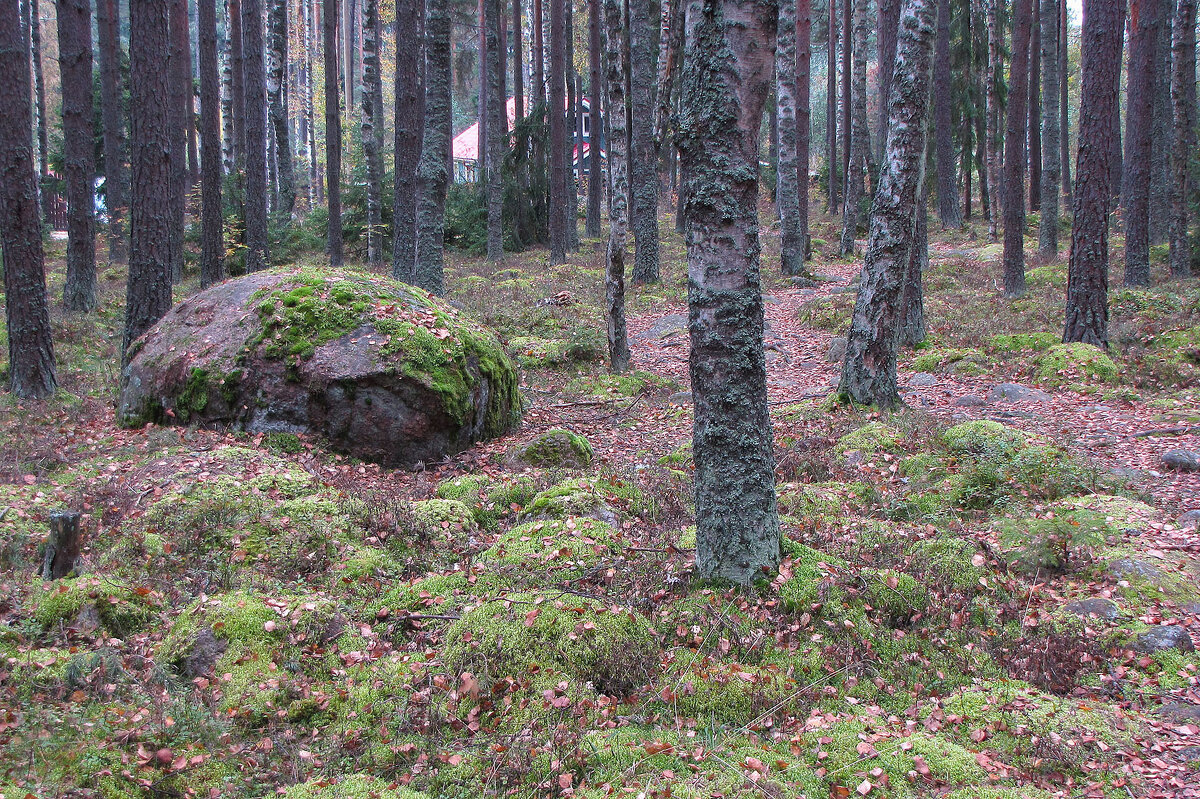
x=382, y=370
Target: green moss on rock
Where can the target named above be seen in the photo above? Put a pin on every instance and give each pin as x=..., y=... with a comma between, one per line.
x=119, y=609
x=572, y=542
x=603, y=498
x=557, y=448
x=1076, y=363
x=443, y=513
x=351, y=786
x=984, y=437
x=870, y=439
x=1019, y=342
x=967, y=362
x=489, y=498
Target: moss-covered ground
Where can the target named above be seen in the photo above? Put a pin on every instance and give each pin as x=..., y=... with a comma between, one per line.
x=256, y=616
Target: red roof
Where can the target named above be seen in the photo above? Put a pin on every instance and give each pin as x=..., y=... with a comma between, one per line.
x=466, y=144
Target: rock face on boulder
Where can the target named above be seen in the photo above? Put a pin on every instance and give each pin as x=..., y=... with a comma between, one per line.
x=382, y=370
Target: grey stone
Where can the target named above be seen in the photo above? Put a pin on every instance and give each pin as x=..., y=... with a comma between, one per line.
x=1181, y=460
x=206, y=649
x=1189, y=754
x=837, y=350
x=680, y=398
x=923, y=380
x=969, y=401
x=1192, y=608
x=1099, y=607
x=665, y=327
x=1189, y=520
x=1180, y=711
x=1124, y=568
x=1015, y=392
x=802, y=282
x=1167, y=636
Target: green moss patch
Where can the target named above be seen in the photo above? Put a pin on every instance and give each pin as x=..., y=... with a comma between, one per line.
x=967, y=362
x=119, y=609
x=557, y=448
x=490, y=499
x=1076, y=364
x=603, y=498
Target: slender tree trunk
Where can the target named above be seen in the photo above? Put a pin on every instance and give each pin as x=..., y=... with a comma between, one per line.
x=859, y=135
x=315, y=182
x=947, y=182
x=558, y=137
x=573, y=228
x=571, y=188
x=1052, y=171
x=237, y=84
x=1034, y=122
x=1087, y=272
x=617, y=139
x=228, y=154
x=212, y=247
x=643, y=216
x=889, y=20
x=1014, y=153
x=596, y=174
x=803, y=117
x=372, y=132
x=847, y=30
x=189, y=101
x=831, y=107
x=787, y=176
x=39, y=92
x=1145, y=20
x=31, y=373
x=277, y=92
x=669, y=47
x=1063, y=108
x=726, y=78
x=181, y=83
x=1117, y=161
x=333, y=135
x=79, y=152
x=539, y=55
x=108, y=26
x=148, y=290
x=1183, y=106
x=257, y=255
x=1162, y=131
x=982, y=120
x=432, y=174
x=992, y=146
x=410, y=101
x=496, y=130
x=869, y=370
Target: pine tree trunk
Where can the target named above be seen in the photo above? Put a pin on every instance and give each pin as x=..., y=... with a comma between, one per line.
x=410, y=101
x=1063, y=109
x=992, y=139
x=538, y=90
x=148, y=289
x=889, y=19
x=189, y=101
x=79, y=153
x=237, y=85
x=967, y=131
x=1034, y=121
x=617, y=139
x=108, y=26
x=1014, y=152
x=39, y=91
x=212, y=248
x=844, y=100
x=571, y=188
x=803, y=117
x=496, y=130
x=1162, y=132
x=277, y=92
x=31, y=372
x=432, y=174
x=1087, y=272
x=726, y=78
x=595, y=175
x=523, y=205
x=869, y=370
x=947, y=181
x=1183, y=106
x=333, y=134
x=558, y=137
x=787, y=176
x=643, y=172
x=1117, y=159
x=1145, y=21
x=859, y=135
x=831, y=107
x=316, y=189
x=228, y=154
x=181, y=83
x=257, y=255
x=372, y=132
x=1052, y=171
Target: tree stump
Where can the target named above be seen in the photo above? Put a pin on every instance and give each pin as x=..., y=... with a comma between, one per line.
x=62, y=547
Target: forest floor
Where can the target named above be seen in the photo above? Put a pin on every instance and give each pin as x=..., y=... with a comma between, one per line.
x=974, y=599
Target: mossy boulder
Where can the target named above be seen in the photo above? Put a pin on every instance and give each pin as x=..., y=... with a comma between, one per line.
x=603, y=498
x=571, y=542
x=872, y=438
x=443, y=513
x=557, y=449
x=1076, y=364
x=983, y=437
x=968, y=362
x=489, y=498
x=379, y=369
x=94, y=602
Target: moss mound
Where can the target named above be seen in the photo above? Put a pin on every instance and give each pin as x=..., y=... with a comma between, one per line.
x=1076, y=364
x=557, y=448
x=604, y=498
x=119, y=609
x=983, y=437
x=490, y=499
x=352, y=786
x=872, y=438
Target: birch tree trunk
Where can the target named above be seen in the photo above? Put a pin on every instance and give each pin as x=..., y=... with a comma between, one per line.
x=869, y=369
x=618, y=196
x=595, y=177
x=39, y=92
x=432, y=174
x=1051, y=166
x=726, y=78
x=558, y=135
x=31, y=371
x=803, y=117
x=372, y=131
x=787, y=176
x=889, y=20
x=1087, y=271
x=79, y=152
x=1183, y=106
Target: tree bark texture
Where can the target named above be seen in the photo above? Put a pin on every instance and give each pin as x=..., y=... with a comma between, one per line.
x=333, y=134
x=726, y=78
x=1051, y=165
x=228, y=148
x=257, y=255
x=62, y=545
x=212, y=246
x=432, y=174
x=238, y=83
x=558, y=135
x=1162, y=131
x=571, y=79
x=847, y=30
x=949, y=212
x=79, y=152
x=1183, y=107
x=643, y=173
x=181, y=83
x=617, y=139
x=277, y=92
x=496, y=130
x=112, y=112
x=787, y=176
x=831, y=107
x=410, y=102
x=860, y=137
x=595, y=177
x=1034, y=120
x=31, y=373
x=1064, y=123
x=889, y=19
x=869, y=369
x=1145, y=21
x=148, y=289
x=39, y=92
x=912, y=296
x=1087, y=271
x=372, y=130
x=1014, y=152
x=992, y=146
x=803, y=117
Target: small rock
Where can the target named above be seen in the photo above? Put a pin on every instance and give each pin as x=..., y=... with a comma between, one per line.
x=669, y=325
x=1128, y=473
x=802, y=282
x=1190, y=754
x=1167, y=636
x=1192, y=608
x=1015, y=392
x=680, y=398
x=1181, y=460
x=969, y=401
x=923, y=379
x=1124, y=568
x=1099, y=607
x=206, y=650
x=1180, y=711
x=1190, y=520
x=770, y=300
x=837, y=350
